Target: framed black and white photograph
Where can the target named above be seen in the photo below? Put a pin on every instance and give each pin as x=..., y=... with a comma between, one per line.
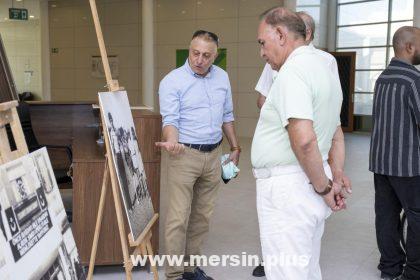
x=127, y=159
x=36, y=240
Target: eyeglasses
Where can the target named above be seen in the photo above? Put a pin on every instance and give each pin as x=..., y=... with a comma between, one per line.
x=211, y=35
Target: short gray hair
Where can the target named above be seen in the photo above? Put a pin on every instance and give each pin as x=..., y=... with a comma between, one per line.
x=309, y=22
x=281, y=16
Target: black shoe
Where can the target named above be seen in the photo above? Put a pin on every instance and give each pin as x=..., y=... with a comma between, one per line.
x=387, y=277
x=258, y=271
x=188, y=276
x=198, y=274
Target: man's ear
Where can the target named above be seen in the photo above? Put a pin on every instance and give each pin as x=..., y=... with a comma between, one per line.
x=281, y=34
x=308, y=34
x=409, y=48
x=217, y=54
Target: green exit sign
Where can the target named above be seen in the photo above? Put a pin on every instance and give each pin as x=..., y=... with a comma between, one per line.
x=19, y=14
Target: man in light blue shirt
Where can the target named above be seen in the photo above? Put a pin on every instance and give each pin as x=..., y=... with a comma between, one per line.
x=196, y=106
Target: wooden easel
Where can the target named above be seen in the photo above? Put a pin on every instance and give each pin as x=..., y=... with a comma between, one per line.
x=143, y=244
x=9, y=116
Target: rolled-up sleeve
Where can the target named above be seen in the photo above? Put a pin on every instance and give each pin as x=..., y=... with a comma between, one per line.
x=169, y=102
x=228, y=106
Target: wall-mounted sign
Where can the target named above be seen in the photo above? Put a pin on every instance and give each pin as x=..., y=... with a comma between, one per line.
x=19, y=14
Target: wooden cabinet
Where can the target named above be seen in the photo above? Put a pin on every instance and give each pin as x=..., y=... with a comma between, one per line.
x=88, y=168
x=78, y=125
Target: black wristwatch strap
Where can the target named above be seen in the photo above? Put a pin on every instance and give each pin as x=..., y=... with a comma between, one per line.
x=327, y=190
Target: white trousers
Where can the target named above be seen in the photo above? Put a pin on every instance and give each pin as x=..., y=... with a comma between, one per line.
x=291, y=217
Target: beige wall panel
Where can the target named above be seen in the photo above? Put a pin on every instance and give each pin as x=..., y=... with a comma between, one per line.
x=63, y=79
x=130, y=78
x=166, y=55
x=247, y=31
x=175, y=10
x=247, y=105
x=84, y=80
x=122, y=12
x=64, y=58
x=61, y=37
x=59, y=94
x=83, y=56
x=249, y=55
x=232, y=54
x=226, y=29
x=210, y=9
x=248, y=78
x=85, y=36
x=122, y=35
x=245, y=127
x=127, y=56
x=175, y=32
x=61, y=17
x=256, y=7
x=233, y=78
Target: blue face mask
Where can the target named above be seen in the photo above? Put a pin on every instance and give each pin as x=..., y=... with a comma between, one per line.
x=229, y=170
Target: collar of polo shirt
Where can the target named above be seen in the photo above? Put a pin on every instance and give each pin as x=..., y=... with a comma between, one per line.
x=299, y=50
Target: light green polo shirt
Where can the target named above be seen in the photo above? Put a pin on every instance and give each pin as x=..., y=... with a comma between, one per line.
x=304, y=88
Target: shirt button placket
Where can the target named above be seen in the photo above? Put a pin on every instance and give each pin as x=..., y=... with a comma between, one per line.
x=207, y=88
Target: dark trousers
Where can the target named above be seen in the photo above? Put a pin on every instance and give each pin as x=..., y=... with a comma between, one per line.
x=392, y=194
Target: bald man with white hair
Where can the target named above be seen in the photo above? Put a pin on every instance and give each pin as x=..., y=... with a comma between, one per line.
x=297, y=147
x=268, y=76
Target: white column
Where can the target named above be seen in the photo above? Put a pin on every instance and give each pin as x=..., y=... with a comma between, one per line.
x=321, y=30
x=45, y=51
x=416, y=14
x=416, y=18
x=332, y=25
x=148, y=61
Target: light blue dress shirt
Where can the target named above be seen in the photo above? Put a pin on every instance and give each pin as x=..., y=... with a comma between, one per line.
x=197, y=106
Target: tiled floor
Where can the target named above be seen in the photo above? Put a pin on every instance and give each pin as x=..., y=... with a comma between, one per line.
x=349, y=250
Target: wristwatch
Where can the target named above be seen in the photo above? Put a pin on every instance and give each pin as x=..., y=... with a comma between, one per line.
x=327, y=190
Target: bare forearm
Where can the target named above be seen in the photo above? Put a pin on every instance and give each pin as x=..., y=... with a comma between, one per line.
x=260, y=101
x=310, y=159
x=229, y=131
x=305, y=147
x=170, y=134
x=337, y=153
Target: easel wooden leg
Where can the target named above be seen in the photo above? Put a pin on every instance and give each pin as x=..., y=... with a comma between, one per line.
x=121, y=226
x=98, y=221
x=110, y=168
x=143, y=249
x=152, y=265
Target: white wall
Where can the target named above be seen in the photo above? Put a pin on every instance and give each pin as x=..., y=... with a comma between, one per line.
x=22, y=41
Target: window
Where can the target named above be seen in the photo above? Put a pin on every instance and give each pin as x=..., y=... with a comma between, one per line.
x=367, y=27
